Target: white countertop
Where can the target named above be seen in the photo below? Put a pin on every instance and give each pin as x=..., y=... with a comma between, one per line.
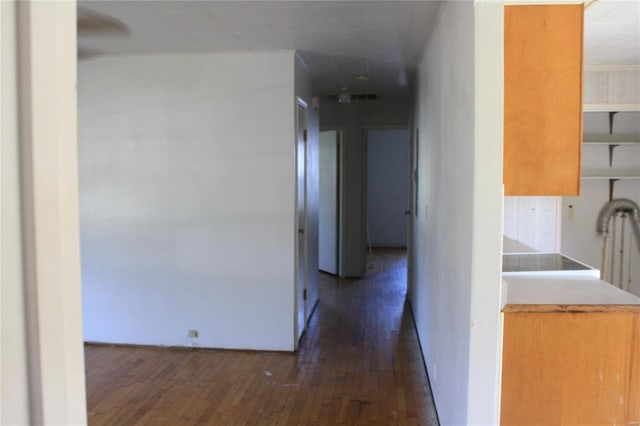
x=533, y=264
x=560, y=290
x=555, y=293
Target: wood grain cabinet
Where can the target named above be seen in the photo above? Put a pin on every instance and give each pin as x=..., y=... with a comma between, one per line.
x=571, y=365
x=542, y=99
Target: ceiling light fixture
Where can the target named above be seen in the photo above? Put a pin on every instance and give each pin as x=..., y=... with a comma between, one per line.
x=344, y=97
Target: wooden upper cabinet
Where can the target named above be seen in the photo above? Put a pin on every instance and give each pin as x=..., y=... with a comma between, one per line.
x=542, y=99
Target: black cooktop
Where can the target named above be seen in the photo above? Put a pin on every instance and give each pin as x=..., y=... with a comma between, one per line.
x=539, y=262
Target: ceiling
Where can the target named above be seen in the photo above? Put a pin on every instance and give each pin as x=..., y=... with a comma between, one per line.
x=612, y=33
x=337, y=39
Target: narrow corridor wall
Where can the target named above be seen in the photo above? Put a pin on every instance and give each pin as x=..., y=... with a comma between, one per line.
x=456, y=242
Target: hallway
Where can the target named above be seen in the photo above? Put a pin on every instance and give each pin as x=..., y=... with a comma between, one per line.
x=359, y=363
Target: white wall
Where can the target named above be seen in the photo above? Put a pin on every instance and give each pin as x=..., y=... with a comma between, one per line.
x=187, y=199
x=387, y=191
x=485, y=354
x=579, y=214
x=456, y=288
x=611, y=87
x=352, y=118
x=579, y=237
x=533, y=221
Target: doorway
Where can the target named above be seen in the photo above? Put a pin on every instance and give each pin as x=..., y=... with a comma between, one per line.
x=301, y=219
x=387, y=192
x=329, y=208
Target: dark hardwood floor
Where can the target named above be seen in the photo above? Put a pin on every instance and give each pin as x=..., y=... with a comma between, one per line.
x=359, y=364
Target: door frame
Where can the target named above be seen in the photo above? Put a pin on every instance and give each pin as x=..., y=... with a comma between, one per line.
x=300, y=249
x=414, y=166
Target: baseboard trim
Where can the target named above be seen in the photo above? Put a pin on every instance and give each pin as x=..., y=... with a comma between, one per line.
x=182, y=348
x=424, y=362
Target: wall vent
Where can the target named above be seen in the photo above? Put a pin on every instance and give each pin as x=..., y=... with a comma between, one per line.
x=357, y=97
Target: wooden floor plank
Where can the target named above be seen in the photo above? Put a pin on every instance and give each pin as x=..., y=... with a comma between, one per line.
x=359, y=364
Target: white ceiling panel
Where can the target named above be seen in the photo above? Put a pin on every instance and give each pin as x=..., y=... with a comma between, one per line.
x=339, y=39
x=200, y=22
x=612, y=33
x=175, y=7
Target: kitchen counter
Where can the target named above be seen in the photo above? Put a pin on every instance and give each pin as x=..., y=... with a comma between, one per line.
x=569, y=344
x=570, y=352
x=564, y=294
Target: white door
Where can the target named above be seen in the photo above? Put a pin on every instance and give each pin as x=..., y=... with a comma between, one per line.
x=301, y=216
x=328, y=209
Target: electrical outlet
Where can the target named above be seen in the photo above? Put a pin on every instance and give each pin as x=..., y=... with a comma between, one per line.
x=192, y=333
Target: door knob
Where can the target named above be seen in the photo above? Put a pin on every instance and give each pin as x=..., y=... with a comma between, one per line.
x=300, y=231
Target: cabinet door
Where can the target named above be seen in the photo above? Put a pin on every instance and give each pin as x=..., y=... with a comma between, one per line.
x=542, y=99
x=570, y=368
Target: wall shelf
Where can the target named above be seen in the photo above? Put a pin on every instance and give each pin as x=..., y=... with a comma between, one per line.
x=610, y=106
x=617, y=176
x=611, y=142
x=611, y=148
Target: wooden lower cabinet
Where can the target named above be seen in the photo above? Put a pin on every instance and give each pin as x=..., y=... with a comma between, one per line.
x=571, y=367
